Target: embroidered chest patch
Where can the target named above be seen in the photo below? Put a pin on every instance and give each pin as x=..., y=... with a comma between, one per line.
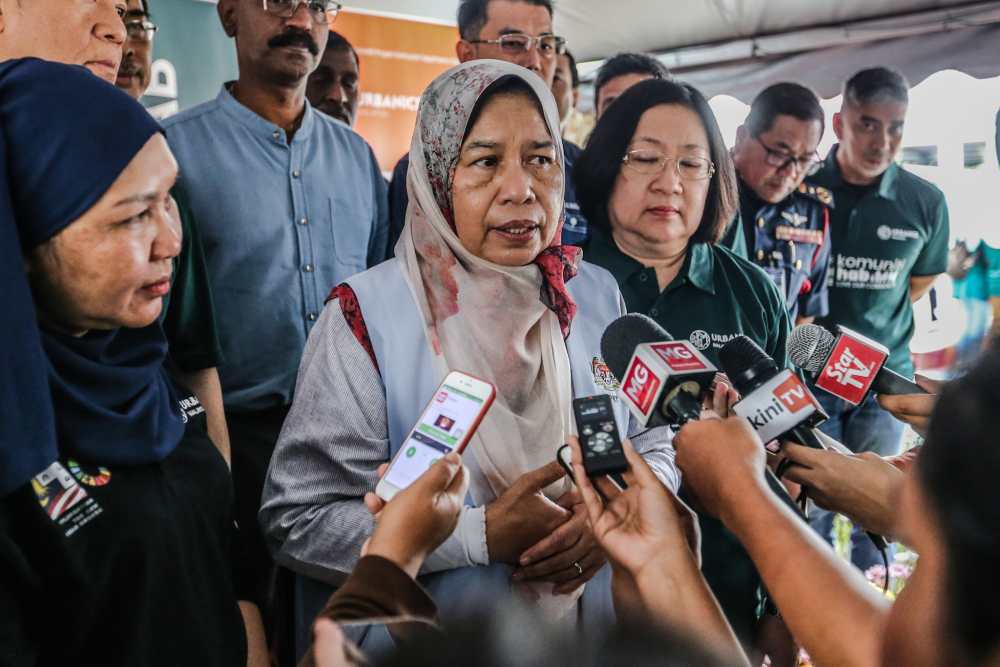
x=63, y=499
x=603, y=377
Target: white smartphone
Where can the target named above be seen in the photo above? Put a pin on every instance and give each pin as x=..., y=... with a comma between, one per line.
x=448, y=423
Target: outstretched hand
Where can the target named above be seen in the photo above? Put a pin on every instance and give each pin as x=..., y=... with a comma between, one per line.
x=862, y=486
x=637, y=525
x=914, y=409
x=719, y=458
x=420, y=517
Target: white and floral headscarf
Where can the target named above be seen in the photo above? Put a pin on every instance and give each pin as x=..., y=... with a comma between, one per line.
x=503, y=324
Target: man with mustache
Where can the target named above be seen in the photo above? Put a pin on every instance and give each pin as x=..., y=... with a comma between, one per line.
x=333, y=87
x=289, y=203
x=137, y=53
x=783, y=220
x=889, y=241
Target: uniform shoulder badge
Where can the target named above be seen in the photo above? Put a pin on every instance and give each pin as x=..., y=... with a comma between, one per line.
x=817, y=192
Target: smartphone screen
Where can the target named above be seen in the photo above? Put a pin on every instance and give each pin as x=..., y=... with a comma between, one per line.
x=441, y=430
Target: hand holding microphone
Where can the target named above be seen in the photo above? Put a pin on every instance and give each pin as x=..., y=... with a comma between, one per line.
x=862, y=486
x=848, y=365
x=914, y=409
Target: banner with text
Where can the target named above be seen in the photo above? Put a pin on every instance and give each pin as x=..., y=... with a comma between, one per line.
x=399, y=57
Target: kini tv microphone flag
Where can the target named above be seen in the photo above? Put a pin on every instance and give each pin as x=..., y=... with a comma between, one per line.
x=660, y=379
x=848, y=365
x=774, y=400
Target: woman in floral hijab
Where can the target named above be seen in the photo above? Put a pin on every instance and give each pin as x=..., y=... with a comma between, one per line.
x=480, y=284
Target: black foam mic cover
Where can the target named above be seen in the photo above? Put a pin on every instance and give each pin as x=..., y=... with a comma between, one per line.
x=746, y=365
x=622, y=336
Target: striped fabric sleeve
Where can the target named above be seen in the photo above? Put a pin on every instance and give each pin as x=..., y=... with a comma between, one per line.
x=327, y=456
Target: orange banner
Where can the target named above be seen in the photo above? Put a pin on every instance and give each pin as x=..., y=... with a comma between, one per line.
x=398, y=58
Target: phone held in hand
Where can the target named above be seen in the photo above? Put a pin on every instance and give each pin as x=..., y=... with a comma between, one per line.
x=599, y=440
x=447, y=424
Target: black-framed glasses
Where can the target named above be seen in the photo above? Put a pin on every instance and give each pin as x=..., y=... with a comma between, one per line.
x=320, y=10
x=807, y=164
x=652, y=163
x=517, y=43
x=140, y=30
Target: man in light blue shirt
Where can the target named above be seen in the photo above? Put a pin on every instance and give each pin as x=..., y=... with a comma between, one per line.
x=290, y=203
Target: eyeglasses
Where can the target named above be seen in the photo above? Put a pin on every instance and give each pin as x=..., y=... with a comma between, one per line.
x=140, y=30
x=808, y=164
x=549, y=46
x=320, y=10
x=652, y=163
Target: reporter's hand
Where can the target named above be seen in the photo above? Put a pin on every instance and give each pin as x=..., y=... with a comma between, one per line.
x=522, y=515
x=639, y=525
x=556, y=556
x=420, y=517
x=862, y=486
x=722, y=397
x=720, y=459
x=914, y=409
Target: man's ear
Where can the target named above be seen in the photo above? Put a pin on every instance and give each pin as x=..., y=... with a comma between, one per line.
x=3, y=16
x=227, y=16
x=576, y=98
x=465, y=51
x=838, y=125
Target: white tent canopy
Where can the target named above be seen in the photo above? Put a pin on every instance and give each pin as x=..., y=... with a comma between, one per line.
x=739, y=46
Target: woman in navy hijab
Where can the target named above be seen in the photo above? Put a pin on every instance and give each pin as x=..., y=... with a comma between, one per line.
x=114, y=542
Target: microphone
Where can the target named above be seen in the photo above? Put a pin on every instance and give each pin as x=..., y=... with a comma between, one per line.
x=848, y=365
x=775, y=401
x=753, y=369
x=660, y=379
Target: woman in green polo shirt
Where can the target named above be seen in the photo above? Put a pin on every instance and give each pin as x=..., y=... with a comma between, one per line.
x=658, y=185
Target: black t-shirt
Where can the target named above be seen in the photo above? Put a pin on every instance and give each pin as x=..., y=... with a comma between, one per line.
x=122, y=566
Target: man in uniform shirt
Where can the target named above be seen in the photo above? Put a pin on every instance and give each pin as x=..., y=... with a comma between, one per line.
x=289, y=202
x=520, y=32
x=783, y=222
x=889, y=241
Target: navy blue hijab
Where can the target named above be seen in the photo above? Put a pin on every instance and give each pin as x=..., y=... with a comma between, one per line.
x=68, y=136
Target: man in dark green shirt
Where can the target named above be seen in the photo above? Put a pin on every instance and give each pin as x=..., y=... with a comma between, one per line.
x=889, y=241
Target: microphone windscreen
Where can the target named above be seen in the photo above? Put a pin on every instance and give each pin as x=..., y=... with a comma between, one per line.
x=809, y=346
x=620, y=339
x=743, y=360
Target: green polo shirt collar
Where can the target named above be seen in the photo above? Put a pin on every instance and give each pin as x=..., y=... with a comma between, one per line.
x=698, y=268
x=887, y=182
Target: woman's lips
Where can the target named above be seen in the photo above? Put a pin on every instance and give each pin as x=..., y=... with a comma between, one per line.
x=159, y=288
x=663, y=211
x=521, y=231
